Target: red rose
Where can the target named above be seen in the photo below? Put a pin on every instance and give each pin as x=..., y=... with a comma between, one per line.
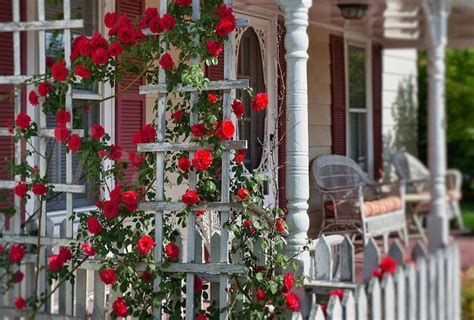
x=33, y=98
x=88, y=250
x=337, y=293
x=224, y=11
x=378, y=273
x=61, y=133
x=130, y=199
x=17, y=252
x=166, y=62
x=215, y=48
x=198, y=130
x=288, y=282
x=65, y=254
x=226, y=130
x=146, y=276
x=184, y=164
x=110, y=19
x=101, y=153
x=148, y=133
x=225, y=26
x=98, y=41
x=260, y=102
x=39, y=189
x=18, y=276
x=93, y=225
x=120, y=307
x=74, y=143
x=198, y=283
x=145, y=244
x=184, y=3
x=240, y=156
x=56, y=263
x=388, y=265
x=62, y=117
x=292, y=301
x=243, y=193
x=172, y=251
x=190, y=197
x=59, y=71
x=151, y=12
x=20, y=303
x=82, y=71
x=247, y=224
x=156, y=25
x=280, y=225
x=23, y=121
x=177, y=116
x=44, y=88
x=126, y=35
x=111, y=209
x=200, y=213
x=260, y=294
x=212, y=98
x=238, y=108
x=21, y=189
x=202, y=316
x=97, y=132
x=108, y=276
x=168, y=21
x=202, y=160
x=115, y=49
x=115, y=152
x=136, y=159
x=116, y=193
x=100, y=56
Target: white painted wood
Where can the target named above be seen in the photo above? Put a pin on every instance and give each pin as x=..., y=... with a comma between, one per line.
x=441, y=286
x=40, y=25
x=389, y=298
x=422, y=288
x=179, y=206
x=80, y=305
x=98, y=311
x=396, y=252
x=213, y=85
x=371, y=259
x=349, y=306
x=432, y=274
x=419, y=251
x=375, y=299
x=334, y=309
x=323, y=260
x=411, y=293
x=448, y=264
x=361, y=303
x=400, y=292
x=188, y=146
x=215, y=258
x=457, y=283
x=346, y=260
x=72, y=188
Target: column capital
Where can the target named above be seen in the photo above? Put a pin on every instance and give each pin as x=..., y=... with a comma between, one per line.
x=295, y=3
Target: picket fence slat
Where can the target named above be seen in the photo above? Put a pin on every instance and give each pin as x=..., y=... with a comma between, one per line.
x=448, y=258
x=361, y=303
x=396, y=252
x=348, y=305
x=375, y=299
x=323, y=260
x=371, y=259
x=334, y=309
x=440, y=285
x=432, y=274
x=411, y=294
x=389, y=301
x=400, y=291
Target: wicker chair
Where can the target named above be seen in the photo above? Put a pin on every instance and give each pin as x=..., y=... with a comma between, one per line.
x=418, y=180
x=354, y=204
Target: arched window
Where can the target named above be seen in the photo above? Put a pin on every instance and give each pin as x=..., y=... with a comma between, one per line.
x=252, y=125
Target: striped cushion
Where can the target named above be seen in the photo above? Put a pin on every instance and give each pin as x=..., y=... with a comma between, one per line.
x=382, y=205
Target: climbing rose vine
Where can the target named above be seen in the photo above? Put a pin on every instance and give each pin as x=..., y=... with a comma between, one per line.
x=118, y=235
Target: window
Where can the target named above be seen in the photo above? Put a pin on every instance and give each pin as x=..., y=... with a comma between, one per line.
x=357, y=106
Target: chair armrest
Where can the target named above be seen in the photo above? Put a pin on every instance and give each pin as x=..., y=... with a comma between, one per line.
x=396, y=188
x=453, y=179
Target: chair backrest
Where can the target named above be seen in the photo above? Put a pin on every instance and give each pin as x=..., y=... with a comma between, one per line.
x=409, y=168
x=333, y=171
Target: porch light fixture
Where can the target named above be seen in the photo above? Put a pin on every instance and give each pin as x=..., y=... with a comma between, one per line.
x=352, y=11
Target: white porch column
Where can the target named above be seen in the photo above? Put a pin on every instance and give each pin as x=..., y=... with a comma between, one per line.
x=297, y=158
x=437, y=12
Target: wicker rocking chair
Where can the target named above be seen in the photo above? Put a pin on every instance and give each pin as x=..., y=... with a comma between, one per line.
x=354, y=204
x=418, y=181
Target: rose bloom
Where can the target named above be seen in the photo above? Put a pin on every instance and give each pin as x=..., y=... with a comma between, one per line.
x=55, y=263
x=18, y=276
x=240, y=156
x=377, y=273
x=21, y=189
x=288, y=282
x=337, y=293
x=61, y=133
x=88, y=250
x=74, y=143
x=202, y=160
x=44, y=88
x=82, y=71
x=146, y=276
x=198, y=283
x=212, y=98
x=111, y=209
x=224, y=10
x=136, y=159
x=148, y=133
x=23, y=121
x=156, y=25
x=33, y=98
x=130, y=199
x=115, y=152
x=260, y=294
x=238, y=108
x=168, y=21
x=280, y=224
x=120, y=307
x=59, y=71
x=115, y=49
x=215, y=48
x=20, y=303
x=93, y=225
x=126, y=35
x=184, y=3
x=145, y=244
x=108, y=276
x=243, y=193
x=97, y=132
x=292, y=301
x=17, y=252
x=184, y=164
x=198, y=130
x=388, y=265
x=225, y=26
x=65, y=254
x=202, y=316
x=116, y=193
x=62, y=117
x=166, y=62
x=39, y=189
x=226, y=130
x=200, y=213
x=178, y=115
x=172, y=251
x=101, y=153
x=260, y=102
x=190, y=197
x=101, y=56
x=110, y=18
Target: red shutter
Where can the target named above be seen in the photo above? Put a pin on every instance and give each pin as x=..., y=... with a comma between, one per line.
x=338, y=95
x=282, y=114
x=216, y=72
x=130, y=107
x=377, y=109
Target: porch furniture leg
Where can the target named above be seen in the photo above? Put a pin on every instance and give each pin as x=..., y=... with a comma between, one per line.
x=419, y=227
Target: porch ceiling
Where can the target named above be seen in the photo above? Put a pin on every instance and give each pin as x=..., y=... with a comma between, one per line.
x=396, y=23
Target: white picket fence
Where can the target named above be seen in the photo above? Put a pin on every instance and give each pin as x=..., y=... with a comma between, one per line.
x=427, y=287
